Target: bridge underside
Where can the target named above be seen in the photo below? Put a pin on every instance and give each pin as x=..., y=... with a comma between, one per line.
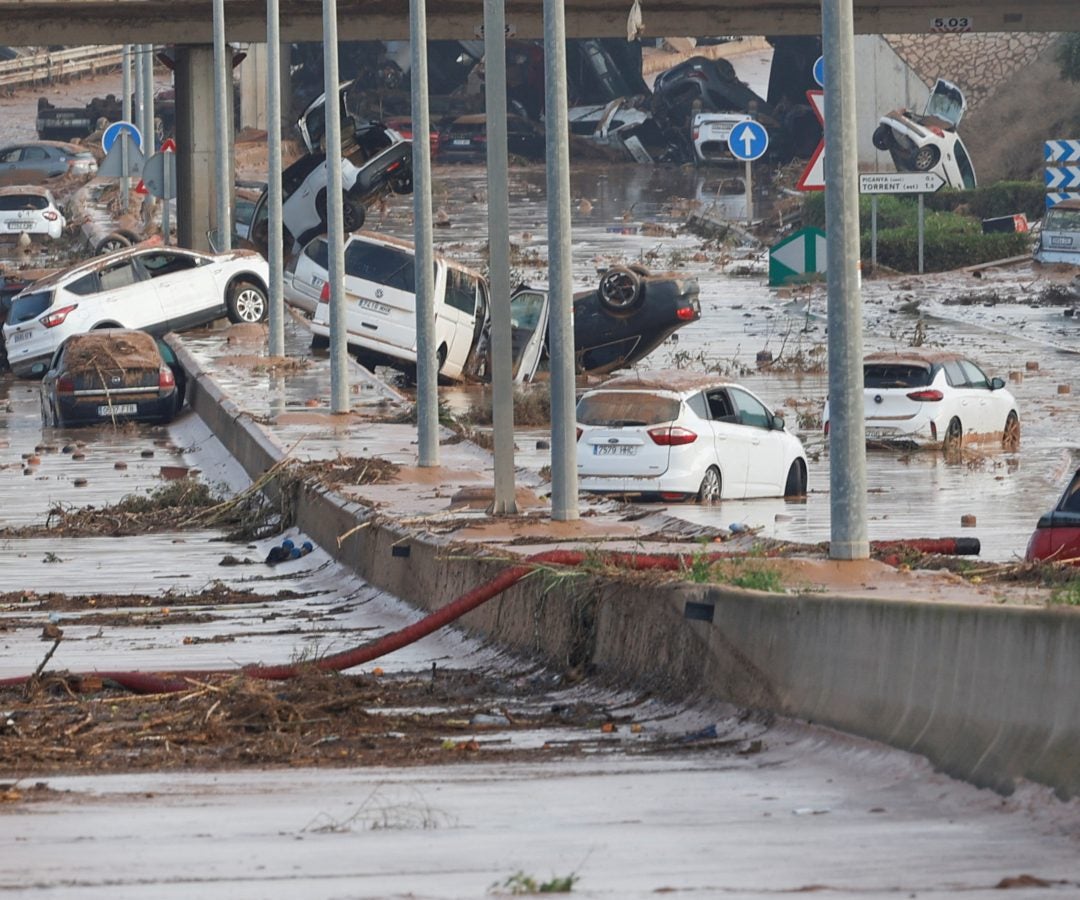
x=39, y=22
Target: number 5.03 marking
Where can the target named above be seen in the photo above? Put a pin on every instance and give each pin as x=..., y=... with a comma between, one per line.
x=951, y=23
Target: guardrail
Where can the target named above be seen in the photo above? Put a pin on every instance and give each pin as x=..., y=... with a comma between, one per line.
x=57, y=65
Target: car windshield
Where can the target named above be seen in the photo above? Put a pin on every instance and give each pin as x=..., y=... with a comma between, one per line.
x=29, y=306
x=525, y=310
x=1062, y=220
x=614, y=408
x=895, y=375
x=22, y=201
x=389, y=266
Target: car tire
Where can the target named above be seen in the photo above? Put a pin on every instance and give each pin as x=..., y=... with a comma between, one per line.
x=353, y=215
x=111, y=243
x=403, y=184
x=620, y=290
x=796, y=480
x=639, y=270
x=882, y=138
x=246, y=302
x=711, y=486
x=1010, y=435
x=954, y=437
x=925, y=158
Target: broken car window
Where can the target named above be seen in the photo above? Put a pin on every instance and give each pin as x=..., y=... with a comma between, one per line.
x=895, y=375
x=615, y=408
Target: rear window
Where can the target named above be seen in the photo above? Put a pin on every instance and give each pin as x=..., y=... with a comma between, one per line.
x=318, y=251
x=614, y=408
x=383, y=265
x=29, y=306
x=895, y=375
x=25, y=201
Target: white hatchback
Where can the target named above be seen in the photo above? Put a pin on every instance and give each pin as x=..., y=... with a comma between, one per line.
x=680, y=437
x=149, y=288
x=30, y=210
x=934, y=398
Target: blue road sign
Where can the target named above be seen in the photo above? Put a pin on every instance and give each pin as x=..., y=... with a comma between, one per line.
x=748, y=140
x=1062, y=177
x=819, y=71
x=114, y=131
x=1062, y=151
x=1056, y=197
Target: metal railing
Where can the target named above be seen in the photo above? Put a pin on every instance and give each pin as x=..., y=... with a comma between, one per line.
x=57, y=65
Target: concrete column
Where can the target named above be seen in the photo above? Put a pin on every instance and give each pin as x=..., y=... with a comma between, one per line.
x=195, y=160
x=254, y=79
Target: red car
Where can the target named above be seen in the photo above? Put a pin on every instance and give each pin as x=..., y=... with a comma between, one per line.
x=1057, y=536
x=403, y=126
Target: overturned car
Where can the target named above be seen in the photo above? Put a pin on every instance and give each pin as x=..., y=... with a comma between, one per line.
x=627, y=316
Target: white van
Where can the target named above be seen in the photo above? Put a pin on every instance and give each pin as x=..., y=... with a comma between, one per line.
x=380, y=289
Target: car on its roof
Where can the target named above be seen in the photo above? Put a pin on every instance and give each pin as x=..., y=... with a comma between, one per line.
x=30, y=209
x=627, y=316
x=678, y=437
x=1059, y=235
x=927, y=141
x=1057, y=534
x=464, y=139
x=149, y=287
x=37, y=161
x=935, y=398
x=110, y=375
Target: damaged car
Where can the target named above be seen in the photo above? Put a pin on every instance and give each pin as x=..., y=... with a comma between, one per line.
x=934, y=398
x=464, y=139
x=627, y=316
x=1057, y=534
x=928, y=142
x=30, y=210
x=1059, y=236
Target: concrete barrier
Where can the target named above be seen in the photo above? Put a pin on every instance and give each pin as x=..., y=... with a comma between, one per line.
x=987, y=693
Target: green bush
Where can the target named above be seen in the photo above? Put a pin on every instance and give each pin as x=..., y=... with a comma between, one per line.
x=1003, y=198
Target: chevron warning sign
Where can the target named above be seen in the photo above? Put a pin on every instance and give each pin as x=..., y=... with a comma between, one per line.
x=1062, y=177
x=1062, y=151
x=1053, y=198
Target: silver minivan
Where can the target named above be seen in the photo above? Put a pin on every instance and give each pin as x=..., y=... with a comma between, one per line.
x=1059, y=238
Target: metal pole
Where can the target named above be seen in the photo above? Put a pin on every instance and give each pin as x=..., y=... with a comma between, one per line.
x=749, y=195
x=125, y=66
x=222, y=126
x=502, y=362
x=167, y=169
x=275, y=239
x=921, y=222
x=427, y=391
x=140, y=93
x=335, y=228
x=148, y=100
x=847, y=429
x=873, y=232
x=564, y=491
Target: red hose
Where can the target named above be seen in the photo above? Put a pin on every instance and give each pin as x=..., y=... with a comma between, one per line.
x=172, y=682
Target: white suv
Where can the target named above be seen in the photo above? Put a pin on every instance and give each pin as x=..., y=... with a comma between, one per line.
x=150, y=288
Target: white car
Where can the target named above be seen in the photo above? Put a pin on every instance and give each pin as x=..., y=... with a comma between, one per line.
x=914, y=398
x=30, y=210
x=929, y=142
x=150, y=288
x=710, y=132
x=681, y=437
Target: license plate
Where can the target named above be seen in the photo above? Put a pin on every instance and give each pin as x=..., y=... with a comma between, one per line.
x=461, y=142
x=1058, y=241
x=19, y=224
x=120, y=409
x=374, y=306
x=22, y=336
x=614, y=449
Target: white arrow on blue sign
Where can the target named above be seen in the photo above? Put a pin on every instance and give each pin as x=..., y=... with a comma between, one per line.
x=819, y=71
x=1058, y=177
x=1062, y=151
x=1054, y=198
x=748, y=140
x=108, y=138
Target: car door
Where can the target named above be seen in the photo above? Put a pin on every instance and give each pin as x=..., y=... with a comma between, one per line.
x=979, y=402
x=765, y=473
x=9, y=160
x=38, y=164
x=455, y=319
x=731, y=441
x=185, y=288
x=529, y=312
x=124, y=298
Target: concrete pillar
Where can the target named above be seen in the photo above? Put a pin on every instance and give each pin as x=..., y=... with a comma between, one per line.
x=253, y=82
x=195, y=162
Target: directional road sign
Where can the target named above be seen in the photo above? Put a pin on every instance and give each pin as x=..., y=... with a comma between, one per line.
x=1062, y=151
x=1062, y=177
x=113, y=132
x=813, y=176
x=159, y=175
x=122, y=161
x=819, y=71
x=796, y=256
x=900, y=182
x=748, y=140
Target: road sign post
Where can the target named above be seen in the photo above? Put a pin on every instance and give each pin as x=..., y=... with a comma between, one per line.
x=920, y=183
x=748, y=141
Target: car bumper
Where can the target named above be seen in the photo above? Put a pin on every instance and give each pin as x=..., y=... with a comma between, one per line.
x=21, y=365
x=90, y=411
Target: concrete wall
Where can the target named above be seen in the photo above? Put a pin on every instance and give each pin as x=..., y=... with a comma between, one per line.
x=883, y=82
x=987, y=693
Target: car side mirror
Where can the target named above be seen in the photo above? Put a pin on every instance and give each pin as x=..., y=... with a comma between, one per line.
x=38, y=369
x=996, y=384
x=777, y=423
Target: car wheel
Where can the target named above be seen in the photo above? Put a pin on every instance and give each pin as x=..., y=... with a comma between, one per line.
x=246, y=302
x=709, y=492
x=320, y=208
x=620, y=290
x=112, y=242
x=954, y=437
x=403, y=183
x=639, y=270
x=1010, y=437
x=882, y=137
x=796, y=480
x=353, y=215
x=926, y=158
